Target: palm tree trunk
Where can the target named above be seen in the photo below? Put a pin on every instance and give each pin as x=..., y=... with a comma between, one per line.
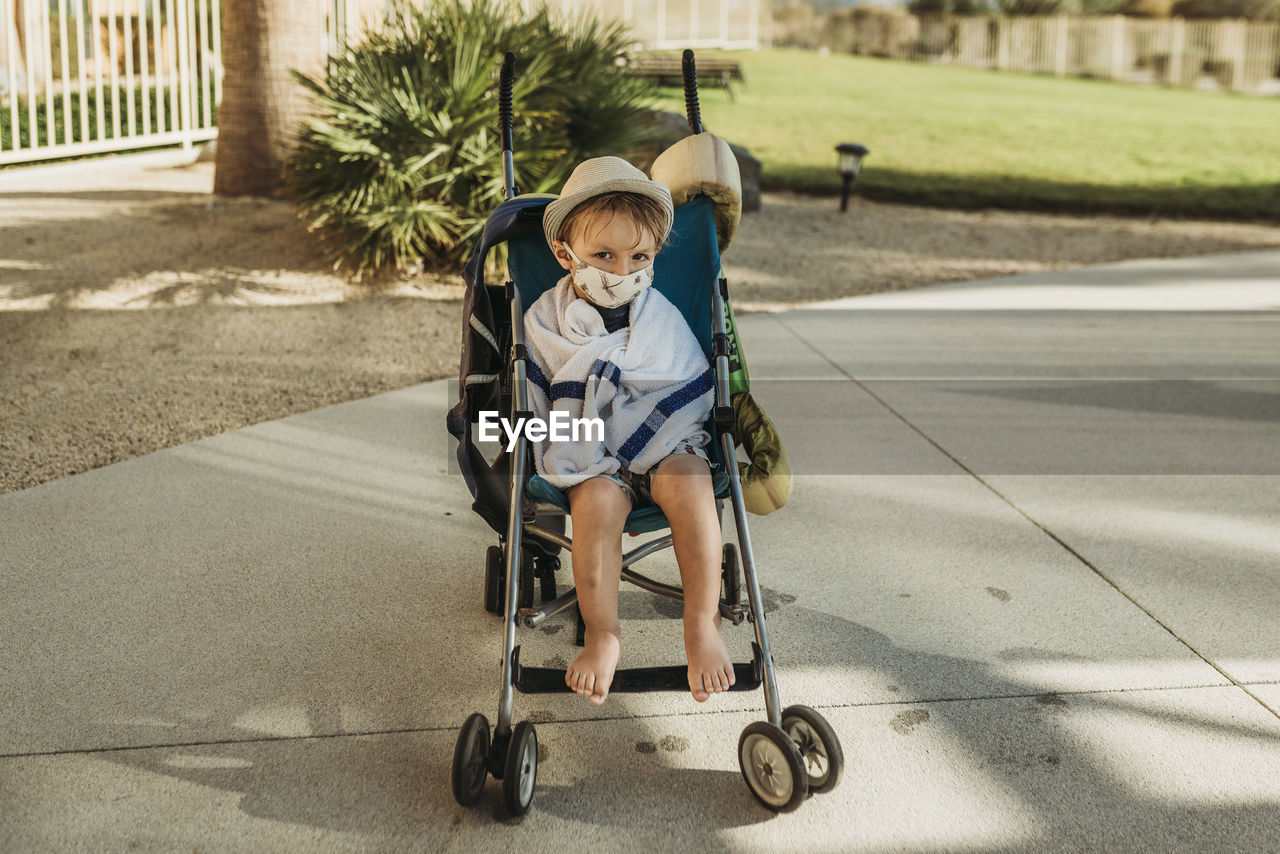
x=262, y=105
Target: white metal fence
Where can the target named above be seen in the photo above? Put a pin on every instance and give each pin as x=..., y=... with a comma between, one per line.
x=88, y=76
x=91, y=76
x=1232, y=55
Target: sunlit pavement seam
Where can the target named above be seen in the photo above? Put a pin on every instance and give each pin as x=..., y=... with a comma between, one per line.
x=598, y=719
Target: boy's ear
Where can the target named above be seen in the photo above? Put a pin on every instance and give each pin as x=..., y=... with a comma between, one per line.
x=562, y=255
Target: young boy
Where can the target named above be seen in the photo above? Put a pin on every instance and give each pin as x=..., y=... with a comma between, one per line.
x=604, y=344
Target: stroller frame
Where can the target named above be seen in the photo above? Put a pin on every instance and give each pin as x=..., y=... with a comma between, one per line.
x=783, y=760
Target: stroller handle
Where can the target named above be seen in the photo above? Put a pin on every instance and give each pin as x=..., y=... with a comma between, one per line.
x=506, y=81
x=691, y=92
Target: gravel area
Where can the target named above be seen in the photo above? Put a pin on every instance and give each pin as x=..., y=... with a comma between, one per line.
x=137, y=312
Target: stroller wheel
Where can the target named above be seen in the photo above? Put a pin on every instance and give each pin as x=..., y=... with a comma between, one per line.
x=469, y=757
x=819, y=747
x=520, y=773
x=731, y=574
x=772, y=766
x=495, y=581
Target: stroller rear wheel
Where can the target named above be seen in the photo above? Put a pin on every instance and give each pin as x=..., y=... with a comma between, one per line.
x=731, y=574
x=469, y=758
x=772, y=766
x=520, y=773
x=819, y=747
x=495, y=581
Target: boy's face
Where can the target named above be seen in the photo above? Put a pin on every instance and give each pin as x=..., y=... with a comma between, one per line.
x=614, y=243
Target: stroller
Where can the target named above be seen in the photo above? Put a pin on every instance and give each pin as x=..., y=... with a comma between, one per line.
x=784, y=759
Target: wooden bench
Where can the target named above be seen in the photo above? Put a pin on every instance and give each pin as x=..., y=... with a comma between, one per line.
x=666, y=69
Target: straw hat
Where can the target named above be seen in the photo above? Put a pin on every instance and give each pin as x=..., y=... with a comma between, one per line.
x=596, y=177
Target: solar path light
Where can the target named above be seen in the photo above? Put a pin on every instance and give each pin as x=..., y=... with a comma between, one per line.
x=851, y=154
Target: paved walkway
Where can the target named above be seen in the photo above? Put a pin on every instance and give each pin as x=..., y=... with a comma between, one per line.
x=1031, y=574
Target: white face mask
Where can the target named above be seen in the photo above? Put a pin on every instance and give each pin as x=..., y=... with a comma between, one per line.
x=609, y=289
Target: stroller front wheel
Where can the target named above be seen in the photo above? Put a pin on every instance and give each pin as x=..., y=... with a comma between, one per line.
x=772, y=766
x=469, y=758
x=819, y=747
x=520, y=773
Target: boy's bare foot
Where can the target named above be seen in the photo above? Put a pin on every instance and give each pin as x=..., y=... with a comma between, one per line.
x=591, y=673
x=710, y=670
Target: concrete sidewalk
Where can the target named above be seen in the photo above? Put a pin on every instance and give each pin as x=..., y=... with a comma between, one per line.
x=1030, y=574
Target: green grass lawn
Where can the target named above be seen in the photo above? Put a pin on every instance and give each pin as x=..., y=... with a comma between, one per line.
x=965, y=138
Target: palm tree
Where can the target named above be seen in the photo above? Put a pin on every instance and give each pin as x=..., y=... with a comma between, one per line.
x=262, y=104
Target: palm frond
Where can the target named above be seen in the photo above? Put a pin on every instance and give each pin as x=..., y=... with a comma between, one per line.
x=403, y=162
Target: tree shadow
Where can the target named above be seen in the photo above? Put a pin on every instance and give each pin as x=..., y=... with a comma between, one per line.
x=18, y=196
x=351, y=637
x=157, y=249
x=1016, y=741
x=1192, y=398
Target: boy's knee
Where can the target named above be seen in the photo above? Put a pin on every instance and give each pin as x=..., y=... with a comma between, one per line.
x=599, y=500
x=679, y=476
x=682, y=465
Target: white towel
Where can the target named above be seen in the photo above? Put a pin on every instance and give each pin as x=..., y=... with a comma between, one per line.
x=649, y=382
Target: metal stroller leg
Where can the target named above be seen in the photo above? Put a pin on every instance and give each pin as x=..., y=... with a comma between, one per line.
x=515, y=518
x=512, y=754
x=503, y=726
x=771, y=702
x=796, y=751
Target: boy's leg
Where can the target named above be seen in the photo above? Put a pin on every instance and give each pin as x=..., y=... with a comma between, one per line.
x=681, y=486
x=599, y=509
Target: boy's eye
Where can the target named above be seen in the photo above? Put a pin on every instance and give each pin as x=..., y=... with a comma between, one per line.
x=640, y=256
x=603, y=256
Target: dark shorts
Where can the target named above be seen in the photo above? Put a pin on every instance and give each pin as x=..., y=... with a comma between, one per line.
x=636, y=486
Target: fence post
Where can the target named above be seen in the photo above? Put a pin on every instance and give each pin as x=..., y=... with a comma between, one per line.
x=1117, y=47
x=1060, y=47
x=1235, y=44
x=185, y=114
x=1177, y=48
x=1002, y=44
x=10, y=36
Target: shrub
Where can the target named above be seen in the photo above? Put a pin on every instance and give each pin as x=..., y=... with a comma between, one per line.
x=1030, y=7
x=1147, y=8
x=404, y=162
x=951, y=7
x=1257, y=10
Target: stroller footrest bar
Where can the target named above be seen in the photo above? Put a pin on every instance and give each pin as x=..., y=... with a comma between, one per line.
x=547, y=680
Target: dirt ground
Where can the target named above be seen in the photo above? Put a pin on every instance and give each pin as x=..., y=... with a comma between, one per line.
x=137, y=312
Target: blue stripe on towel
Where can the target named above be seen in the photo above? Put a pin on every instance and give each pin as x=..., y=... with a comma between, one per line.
x=607, y=371
x=537, y=377
x=571, y=390
x=678, y=399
